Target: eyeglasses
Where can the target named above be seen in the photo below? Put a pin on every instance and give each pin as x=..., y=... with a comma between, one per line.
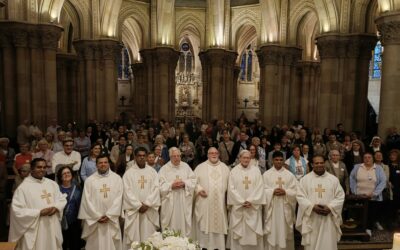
x=68, y=145
x=66, y=173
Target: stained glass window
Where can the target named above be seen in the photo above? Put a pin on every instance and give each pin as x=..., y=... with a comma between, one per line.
x=246, y=65
x=376, y=62
x=123, y=66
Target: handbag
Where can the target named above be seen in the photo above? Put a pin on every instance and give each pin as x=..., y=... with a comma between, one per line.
x=64, y=221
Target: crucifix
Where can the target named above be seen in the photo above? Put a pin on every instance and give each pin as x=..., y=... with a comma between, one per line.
x=320, y=190
x=122, y=99
x=246, y=182
x=142, y=181
x=279, y=182
x=245, y=102
x=178, y=178
x=46, y=196
x=104, y=190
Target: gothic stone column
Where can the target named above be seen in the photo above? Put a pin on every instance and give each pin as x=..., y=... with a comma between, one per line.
x=139, y=88
x=219, y=84
x=29, y=66
x=344, y=80
x=308, y=90
x=98, y=78
x=160, y=64
x=389, y=114
x=277, y=83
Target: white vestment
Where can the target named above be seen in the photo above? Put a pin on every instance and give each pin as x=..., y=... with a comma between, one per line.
x=318, y=231
x=102, y=195
x=279, y=211
x=245, y=224
x=140, y=186
x=176, y=205
x=29, y=229
x=210, y=215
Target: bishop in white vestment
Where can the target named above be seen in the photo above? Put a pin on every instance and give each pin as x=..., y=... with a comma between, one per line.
x=279, y=212
x=101, y=208
x=177, y=184
x=141, y=200
x=36, y=211
x=246, y=199
x=320, y=197
x=210, y=214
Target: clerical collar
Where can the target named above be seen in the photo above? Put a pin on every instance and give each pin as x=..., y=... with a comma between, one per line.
x=105, y=174
x=212, y=164
x=35, y=179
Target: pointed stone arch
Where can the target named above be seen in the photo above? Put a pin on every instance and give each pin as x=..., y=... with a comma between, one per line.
x=245, y=18
x=140, y=13
x=189, y=23
x=328, y=15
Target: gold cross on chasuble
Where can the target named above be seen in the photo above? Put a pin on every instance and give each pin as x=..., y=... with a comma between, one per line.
x=142, y=181
x=320, y=190
x=178, y=178
x=246, y=182
x=104, y=190
x=279, y=182
x=46, y=196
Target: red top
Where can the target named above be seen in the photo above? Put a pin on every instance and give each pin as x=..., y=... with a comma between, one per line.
x=21, y=159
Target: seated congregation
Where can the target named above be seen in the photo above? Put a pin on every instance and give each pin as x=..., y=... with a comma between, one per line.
x=236, y=188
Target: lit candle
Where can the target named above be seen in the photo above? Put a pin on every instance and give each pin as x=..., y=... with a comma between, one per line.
x=396, y=241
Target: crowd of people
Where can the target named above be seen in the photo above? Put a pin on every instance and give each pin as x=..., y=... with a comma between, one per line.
x=151, y=173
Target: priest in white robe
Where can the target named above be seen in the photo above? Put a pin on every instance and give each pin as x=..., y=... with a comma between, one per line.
x=101, y=208
x=36, y=211
x=177, y=184
x=246, y=198
x=210, y=214
x=279, y=212
x=141, y=200
x=320, y=197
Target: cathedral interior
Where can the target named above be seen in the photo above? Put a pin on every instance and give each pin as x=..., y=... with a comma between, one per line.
x=278, y=61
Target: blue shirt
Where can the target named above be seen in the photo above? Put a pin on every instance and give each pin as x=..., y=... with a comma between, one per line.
x=88, y=167
x=73, y=203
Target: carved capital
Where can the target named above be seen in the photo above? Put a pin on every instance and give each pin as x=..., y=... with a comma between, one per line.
x=218, y=57
x=346, y=46
x=20, y=38
x=166, y=55
x=389, y=28
x=278, y=55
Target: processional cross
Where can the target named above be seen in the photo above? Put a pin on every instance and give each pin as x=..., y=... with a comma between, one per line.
x=142, y=181
x=246, y=182
x=122, y=99
x=320, y=190
x=104, y=190
x=279, y=182
x=46, y=196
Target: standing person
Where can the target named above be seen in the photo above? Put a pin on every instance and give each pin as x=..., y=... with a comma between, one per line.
x=70, y=224
x=394, y=177
x=66, y=157
x=320, y=197
x=88, y=166
x=188, y=150
x=124, y=161
x=368, y=180
x=297, y=164
x=210, y=214
x=225, y=147
x=45, y=153
x=82, y=143
x=279, y=213
x=246, y=198
x=36, y=211
x=336, y=167
x=141, y=200
x=22, y=158
x=177, y=184
x=101, y=208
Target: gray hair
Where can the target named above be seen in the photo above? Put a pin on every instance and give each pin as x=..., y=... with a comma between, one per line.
x=173, y=149
x=243, y=152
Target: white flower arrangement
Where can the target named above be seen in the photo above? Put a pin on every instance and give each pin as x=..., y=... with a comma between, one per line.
x=167, y=240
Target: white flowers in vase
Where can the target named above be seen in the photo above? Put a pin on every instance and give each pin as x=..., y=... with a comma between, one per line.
x=168, y=239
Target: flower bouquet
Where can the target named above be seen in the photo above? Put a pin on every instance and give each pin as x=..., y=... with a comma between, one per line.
x=168, y=239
